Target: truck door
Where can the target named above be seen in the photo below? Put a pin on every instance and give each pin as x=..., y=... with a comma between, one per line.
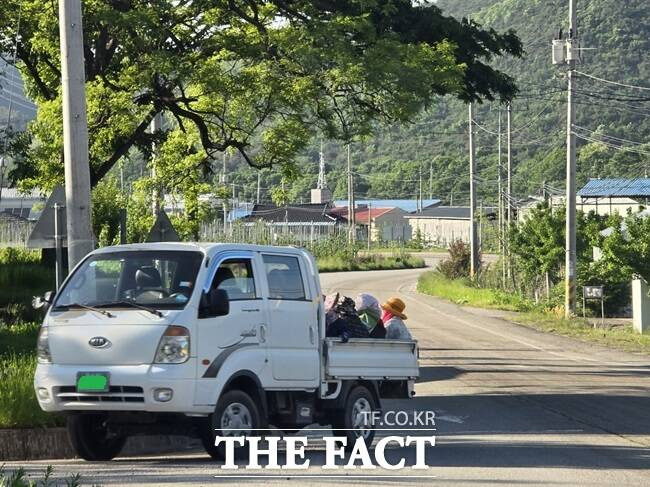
x=292, y=335
x=219, y=337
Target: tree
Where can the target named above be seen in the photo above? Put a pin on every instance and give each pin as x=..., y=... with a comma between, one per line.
x=538, y=243
x=256, y=77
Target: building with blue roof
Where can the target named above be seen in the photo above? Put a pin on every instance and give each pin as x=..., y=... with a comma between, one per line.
x=609, y=195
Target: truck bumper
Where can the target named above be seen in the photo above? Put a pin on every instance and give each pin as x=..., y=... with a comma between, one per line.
x=132, y=388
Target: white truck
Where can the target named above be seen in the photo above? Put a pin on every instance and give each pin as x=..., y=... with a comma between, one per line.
x=205, y=340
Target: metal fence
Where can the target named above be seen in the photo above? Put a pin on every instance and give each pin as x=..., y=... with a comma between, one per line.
x=15, y=233
x=303, y=234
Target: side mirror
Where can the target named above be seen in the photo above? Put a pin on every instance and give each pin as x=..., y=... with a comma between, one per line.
x=214, y=303
x=43, y=302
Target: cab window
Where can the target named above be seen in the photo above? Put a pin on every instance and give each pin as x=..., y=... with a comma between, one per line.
x=235, y=276
x=284, y=277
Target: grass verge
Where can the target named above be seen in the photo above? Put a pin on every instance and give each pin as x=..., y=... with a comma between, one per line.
x=460, y=291
x=338, y=263
x=18, y=405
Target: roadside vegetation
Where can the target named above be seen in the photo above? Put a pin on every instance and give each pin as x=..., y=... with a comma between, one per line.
x=18, y=405
x=534, y=288
x=20, y=478
x=462, y=291
x=337, y=263
x=22, y=276
x=337, y=254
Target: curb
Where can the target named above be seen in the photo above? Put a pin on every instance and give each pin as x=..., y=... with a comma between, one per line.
x=52, y=443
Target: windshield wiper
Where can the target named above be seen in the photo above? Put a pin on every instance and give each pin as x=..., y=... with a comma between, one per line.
x=84, y=306
x=133, y=305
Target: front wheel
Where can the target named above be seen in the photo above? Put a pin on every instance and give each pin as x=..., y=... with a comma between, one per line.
x=91, y=438
x=236, y=414
x=355, y=420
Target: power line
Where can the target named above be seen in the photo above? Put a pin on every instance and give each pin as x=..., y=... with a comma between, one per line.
x=618, y=139
x=602, y=80
x=611, y=145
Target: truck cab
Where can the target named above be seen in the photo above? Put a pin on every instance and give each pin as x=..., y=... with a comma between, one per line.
x=205, y=340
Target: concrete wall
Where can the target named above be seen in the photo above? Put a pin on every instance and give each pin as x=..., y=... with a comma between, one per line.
x=441, y=231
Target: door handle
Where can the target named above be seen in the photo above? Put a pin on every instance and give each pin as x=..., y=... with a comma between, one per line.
x=262, y=332
x=311, y=335
x=250, y=333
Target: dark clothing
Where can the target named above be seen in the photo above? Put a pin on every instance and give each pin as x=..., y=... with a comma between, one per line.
x=379, y=331
x=347, y=327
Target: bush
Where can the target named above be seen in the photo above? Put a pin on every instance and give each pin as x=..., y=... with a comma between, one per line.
x=22, y=276
x=458, y=264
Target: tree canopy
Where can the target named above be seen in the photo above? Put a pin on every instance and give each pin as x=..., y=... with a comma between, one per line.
x=258, y=78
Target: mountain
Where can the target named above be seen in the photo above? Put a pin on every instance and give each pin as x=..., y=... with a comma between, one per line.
x=616, y=38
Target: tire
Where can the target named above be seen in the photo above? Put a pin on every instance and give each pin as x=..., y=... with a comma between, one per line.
x=235, y=410
x=359, y=401
x=90, y=439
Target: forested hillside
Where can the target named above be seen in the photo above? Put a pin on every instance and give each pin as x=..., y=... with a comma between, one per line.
x=616, y=35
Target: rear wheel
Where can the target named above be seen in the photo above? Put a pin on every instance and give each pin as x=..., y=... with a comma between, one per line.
x=236, y=414
x=91, y=438
x=355, y=420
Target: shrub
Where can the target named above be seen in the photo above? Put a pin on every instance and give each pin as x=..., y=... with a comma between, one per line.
x=22, y=276
x=458, y=263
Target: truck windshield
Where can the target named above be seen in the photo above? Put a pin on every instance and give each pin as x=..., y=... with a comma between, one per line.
x=151, y=278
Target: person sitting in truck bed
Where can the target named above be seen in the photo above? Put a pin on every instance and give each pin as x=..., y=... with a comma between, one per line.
x=393, y=318
x=346, y=324
x=370, y=315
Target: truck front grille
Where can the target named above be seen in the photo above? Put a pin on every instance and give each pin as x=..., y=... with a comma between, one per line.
x=115, y=394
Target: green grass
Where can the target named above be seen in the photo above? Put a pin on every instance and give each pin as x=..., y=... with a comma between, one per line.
x=386, y=250
x=461, y=291
x=18, y=405
x=18, y=338
x=622, y=337
x=22, y=276
x=338, y=263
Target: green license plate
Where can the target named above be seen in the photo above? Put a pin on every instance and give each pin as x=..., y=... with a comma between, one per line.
x=93, y=382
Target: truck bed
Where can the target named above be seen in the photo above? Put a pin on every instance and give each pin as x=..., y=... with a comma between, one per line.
x=368, y=358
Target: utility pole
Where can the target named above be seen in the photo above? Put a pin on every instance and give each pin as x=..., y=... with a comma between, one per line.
x=509, y=166
x=430, y=181
x=75, y=132
x=351, y=215
x=154, y=128
x=472, y=199
x=508, y=203
x=369, y=224
x=420, y=188
x=570, y=255
x=502, y=245
x=259, y=177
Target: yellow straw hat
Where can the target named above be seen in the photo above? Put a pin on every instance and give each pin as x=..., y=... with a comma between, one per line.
x=395, y=306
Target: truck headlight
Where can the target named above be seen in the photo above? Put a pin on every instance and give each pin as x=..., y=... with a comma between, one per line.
x=43, y=354
x=174, y=346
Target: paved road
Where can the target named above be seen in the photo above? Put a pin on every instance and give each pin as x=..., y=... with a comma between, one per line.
x=513, y=406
